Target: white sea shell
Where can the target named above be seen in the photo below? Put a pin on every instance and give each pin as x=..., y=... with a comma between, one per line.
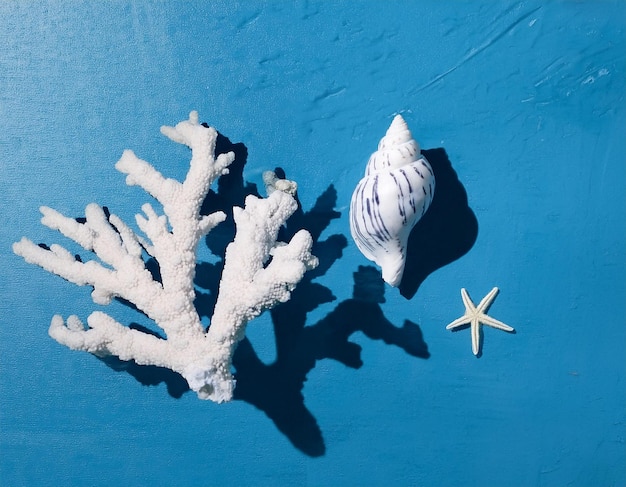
x=396, y=191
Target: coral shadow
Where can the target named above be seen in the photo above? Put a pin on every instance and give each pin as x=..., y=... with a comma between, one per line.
x=447, y=231
x=276, y=389
x=148, y=375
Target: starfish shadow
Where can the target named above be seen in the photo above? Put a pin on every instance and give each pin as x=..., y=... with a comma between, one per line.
x=480, y=336
x=447, y=231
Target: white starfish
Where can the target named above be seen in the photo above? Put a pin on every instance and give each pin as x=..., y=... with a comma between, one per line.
x=476, y=315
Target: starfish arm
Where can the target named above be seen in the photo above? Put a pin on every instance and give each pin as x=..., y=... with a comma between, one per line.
x=467, y=301
x=475, y=336
x=463, y=320
x=488, y=320
x=487, y=300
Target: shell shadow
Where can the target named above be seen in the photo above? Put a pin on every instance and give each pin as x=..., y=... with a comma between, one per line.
x=447, y=231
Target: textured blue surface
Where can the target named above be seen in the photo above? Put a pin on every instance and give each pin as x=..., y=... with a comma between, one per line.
x=526, y=98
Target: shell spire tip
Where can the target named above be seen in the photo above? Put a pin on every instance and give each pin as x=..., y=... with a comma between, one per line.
x=398, y=124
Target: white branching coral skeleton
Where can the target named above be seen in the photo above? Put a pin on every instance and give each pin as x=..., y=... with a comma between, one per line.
x=259, y=272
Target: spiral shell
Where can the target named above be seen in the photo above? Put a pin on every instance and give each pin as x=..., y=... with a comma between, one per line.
x=396, y=191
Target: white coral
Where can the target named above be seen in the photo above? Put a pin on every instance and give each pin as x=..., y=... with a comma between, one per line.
x=259, y=272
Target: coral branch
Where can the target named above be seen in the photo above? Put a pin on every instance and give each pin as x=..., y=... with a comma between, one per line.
x=248, y=286
x=259, y=272
x=141, y=173
x=105, y=336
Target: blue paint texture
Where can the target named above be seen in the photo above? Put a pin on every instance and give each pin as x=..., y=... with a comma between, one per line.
x=521, y=103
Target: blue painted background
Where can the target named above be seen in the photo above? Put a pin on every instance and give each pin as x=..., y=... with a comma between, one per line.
x=522, y=106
